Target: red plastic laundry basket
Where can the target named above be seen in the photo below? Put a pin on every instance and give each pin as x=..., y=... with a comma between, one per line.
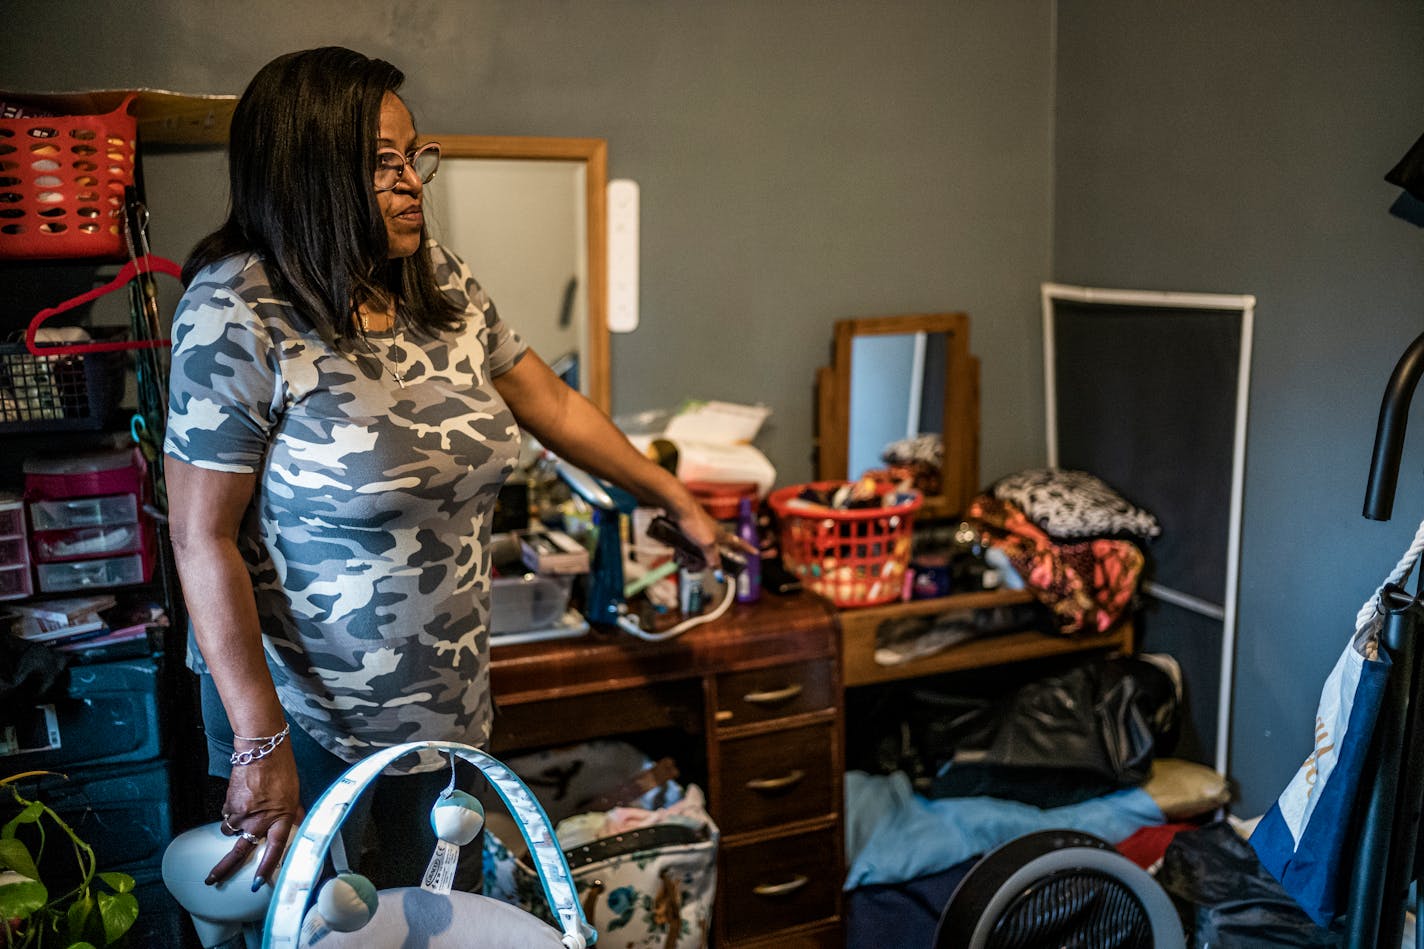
x=855, y=557
x=62, y=181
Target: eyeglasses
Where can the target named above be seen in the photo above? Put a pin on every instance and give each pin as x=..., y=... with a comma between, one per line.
x=391, y=165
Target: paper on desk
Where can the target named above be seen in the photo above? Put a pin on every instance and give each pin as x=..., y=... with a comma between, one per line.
x=723, y=423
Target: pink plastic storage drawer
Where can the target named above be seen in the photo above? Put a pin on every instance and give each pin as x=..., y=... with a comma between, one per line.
x=12, y=518
x=14, y=552
x=102, y=473
x=15, y=582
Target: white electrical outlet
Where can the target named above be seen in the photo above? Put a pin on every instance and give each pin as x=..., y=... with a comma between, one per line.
x=622, y=255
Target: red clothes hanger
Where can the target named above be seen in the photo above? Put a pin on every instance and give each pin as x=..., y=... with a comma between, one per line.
x=149, y=263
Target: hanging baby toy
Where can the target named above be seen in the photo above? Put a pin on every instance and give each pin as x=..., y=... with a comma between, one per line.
x=348, y=911
x=457, y=818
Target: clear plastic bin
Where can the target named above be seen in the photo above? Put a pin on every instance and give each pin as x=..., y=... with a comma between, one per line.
x=528, y=602
x=83, y=574
x=86, y=542
x=83, y=512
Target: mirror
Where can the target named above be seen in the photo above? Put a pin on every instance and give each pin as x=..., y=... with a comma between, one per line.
x=529, y=217
x=897, y=377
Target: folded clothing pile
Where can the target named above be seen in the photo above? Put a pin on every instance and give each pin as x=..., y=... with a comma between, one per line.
x=1072, y=539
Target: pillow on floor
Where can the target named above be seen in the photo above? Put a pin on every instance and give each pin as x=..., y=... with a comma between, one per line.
x=1185, y=789
x=1070, y=504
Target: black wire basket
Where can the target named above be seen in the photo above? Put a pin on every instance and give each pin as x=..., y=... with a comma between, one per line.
x=58, y=393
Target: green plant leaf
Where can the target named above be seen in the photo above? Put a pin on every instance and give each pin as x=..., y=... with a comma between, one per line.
x=30, y=814
x=77, y=916
x=14, y=855
x=118, y=882
x=22, y=899
x=118, y=910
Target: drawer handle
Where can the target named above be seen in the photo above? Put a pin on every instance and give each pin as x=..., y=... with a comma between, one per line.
x=774, y=696
x=776, y=784
x=782, y=889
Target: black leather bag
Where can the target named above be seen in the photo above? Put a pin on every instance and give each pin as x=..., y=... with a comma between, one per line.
x=1087, y=729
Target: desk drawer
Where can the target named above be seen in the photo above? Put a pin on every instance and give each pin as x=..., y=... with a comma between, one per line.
x=744, y=698
x=778, y=884
x=777, y=777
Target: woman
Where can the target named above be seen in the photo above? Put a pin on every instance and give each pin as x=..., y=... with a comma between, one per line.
x=345, y=404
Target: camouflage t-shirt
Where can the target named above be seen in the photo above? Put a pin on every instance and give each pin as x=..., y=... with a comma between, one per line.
x=367, y=536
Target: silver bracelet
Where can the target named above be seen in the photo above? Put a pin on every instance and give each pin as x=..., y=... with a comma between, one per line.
x=269, y=745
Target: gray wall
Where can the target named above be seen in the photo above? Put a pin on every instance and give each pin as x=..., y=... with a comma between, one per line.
x=1239, y=148
x=799, y=161
x=802, y=161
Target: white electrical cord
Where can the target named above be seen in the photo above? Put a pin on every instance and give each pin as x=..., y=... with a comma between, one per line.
x=628, y=622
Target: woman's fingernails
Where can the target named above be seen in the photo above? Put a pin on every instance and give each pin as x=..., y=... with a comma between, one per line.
x=257, y=883
x=210, y=880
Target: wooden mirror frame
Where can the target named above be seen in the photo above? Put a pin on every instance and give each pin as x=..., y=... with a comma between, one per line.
x=960, y=462
x=593, y=152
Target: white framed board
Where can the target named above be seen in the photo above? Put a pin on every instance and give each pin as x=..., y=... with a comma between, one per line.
x=1149, y=391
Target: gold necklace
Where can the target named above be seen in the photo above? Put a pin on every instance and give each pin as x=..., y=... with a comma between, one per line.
x=399, y=377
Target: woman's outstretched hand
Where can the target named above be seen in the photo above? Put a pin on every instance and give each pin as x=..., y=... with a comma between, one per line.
x=707, y=533
x=262, y=804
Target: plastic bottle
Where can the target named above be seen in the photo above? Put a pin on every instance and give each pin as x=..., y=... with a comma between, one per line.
x=690, y=591
x=749, y=580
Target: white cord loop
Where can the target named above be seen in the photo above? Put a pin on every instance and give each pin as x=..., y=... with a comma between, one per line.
x=449, y=788
x=1374, y=606
x=628, y=622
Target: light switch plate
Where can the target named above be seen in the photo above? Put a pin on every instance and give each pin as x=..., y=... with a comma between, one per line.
x=622, y=255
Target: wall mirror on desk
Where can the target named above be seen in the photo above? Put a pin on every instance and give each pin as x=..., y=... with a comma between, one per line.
x=894, y=378
x=529, y=217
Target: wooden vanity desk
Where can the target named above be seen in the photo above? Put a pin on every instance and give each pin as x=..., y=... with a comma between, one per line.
x=758, y=694
x=756, y=697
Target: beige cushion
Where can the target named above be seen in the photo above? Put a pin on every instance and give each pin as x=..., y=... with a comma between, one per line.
x=1185, y=789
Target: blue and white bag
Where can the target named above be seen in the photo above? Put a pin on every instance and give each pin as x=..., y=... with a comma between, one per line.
x=1301, y=839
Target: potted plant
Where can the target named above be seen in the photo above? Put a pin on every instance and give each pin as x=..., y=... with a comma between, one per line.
x=97, y=911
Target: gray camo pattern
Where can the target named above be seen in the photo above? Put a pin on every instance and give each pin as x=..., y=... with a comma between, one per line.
x=367, y=536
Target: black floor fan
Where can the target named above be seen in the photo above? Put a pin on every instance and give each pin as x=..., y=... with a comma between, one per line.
x=1058, y=888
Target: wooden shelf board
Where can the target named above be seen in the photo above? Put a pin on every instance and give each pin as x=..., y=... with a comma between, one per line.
x=164, y=117
x=858, y=629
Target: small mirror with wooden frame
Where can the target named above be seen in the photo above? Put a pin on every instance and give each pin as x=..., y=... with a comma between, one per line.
x=894, y=379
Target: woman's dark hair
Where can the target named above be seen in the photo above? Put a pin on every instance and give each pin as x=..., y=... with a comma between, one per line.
x=301, y=155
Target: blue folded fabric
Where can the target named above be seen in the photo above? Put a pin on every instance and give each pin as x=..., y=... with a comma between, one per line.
x=894, y=835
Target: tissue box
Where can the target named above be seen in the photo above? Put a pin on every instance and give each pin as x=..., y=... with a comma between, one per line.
x=552, y=552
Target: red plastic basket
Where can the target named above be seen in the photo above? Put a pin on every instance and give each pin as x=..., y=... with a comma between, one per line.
x=62, y=181
x=854, y=557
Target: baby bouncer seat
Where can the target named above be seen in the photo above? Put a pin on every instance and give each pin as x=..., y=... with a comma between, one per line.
x=346, y=911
